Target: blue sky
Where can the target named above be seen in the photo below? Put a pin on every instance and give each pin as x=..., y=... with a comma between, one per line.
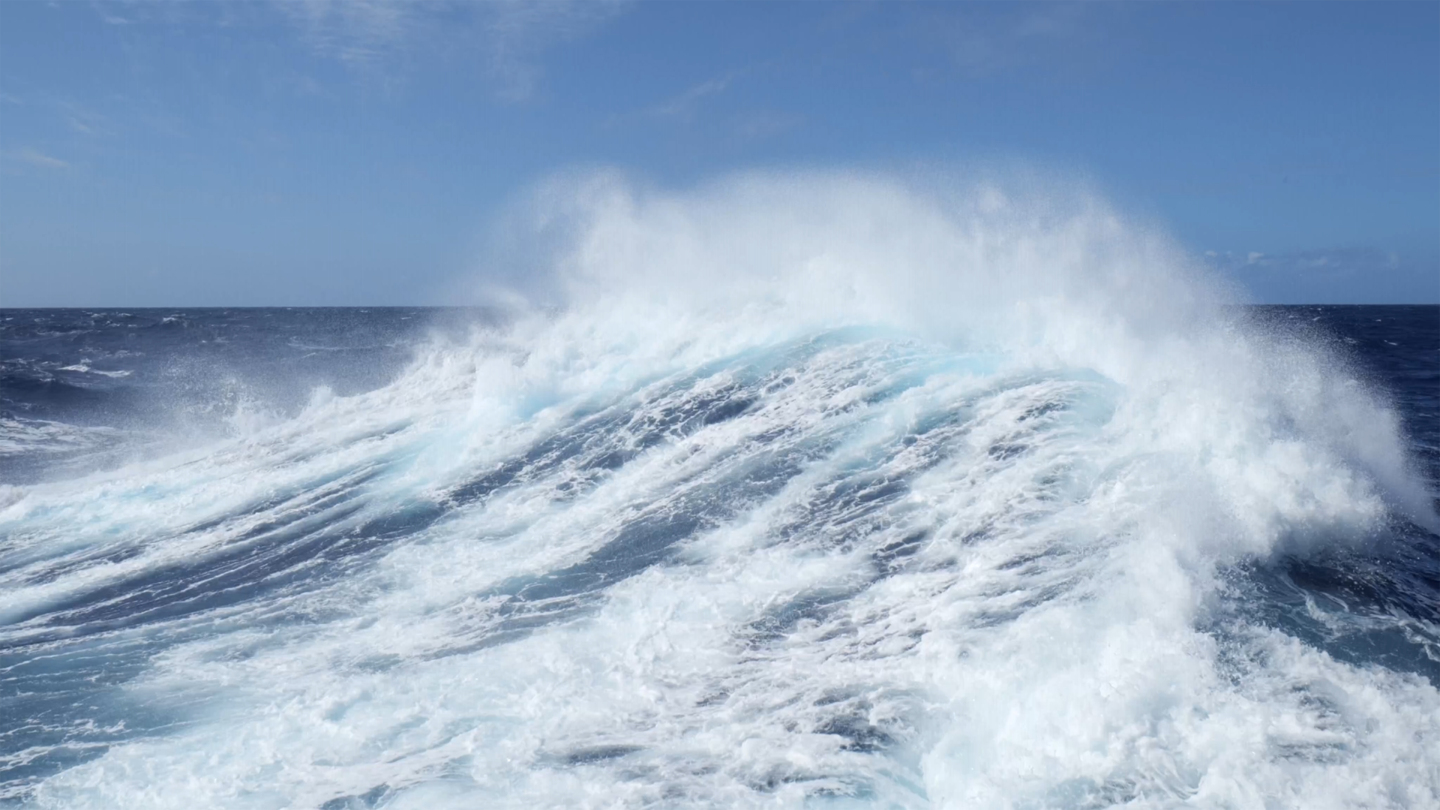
x=314, y=152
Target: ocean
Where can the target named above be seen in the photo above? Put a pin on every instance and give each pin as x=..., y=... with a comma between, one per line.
x=838, y=538
x=286, y=558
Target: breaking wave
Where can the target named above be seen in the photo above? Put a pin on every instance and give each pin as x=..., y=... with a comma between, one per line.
x=795, y=489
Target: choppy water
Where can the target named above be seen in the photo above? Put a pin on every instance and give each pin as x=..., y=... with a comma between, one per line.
x=683, y=544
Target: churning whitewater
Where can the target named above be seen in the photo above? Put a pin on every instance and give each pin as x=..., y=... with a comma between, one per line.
x=811, y=489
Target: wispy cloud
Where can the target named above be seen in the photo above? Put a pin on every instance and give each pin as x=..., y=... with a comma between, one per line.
x=1329, y=262
x=35, y=157
x=761, y=124
x=507, y=40
x=684, y=105
x=354, y=31
x=698, y=101
x=982, y=39
x=509, y=36
x=681, y=108
x=82, y=119
x=519, y=31
x=1335, y=275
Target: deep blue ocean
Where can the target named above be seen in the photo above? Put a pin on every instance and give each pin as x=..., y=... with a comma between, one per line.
x=407, y=557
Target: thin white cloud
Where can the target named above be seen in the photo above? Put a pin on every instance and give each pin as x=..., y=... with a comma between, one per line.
x=1055, y=21
x=683, y=106
x=1330, y=262
x=354, y=31
x=985, y=39
x=35, y=157
x=520, y=31
x=761, y=124
x=506, y=40
x=510, y=37
x=83, y=119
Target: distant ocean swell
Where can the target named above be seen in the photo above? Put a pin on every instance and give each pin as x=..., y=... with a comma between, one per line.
x=797, y=490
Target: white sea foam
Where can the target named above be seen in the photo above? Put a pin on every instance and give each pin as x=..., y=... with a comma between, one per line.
x=81, y=367
x=957, y=545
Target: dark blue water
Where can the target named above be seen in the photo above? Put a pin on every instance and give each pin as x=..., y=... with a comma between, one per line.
x=80, y=388
x=1340, y=599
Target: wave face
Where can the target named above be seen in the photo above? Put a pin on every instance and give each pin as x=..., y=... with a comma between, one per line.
x=794, y=490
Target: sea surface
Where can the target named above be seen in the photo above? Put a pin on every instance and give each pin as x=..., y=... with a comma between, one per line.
x=425, y=558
